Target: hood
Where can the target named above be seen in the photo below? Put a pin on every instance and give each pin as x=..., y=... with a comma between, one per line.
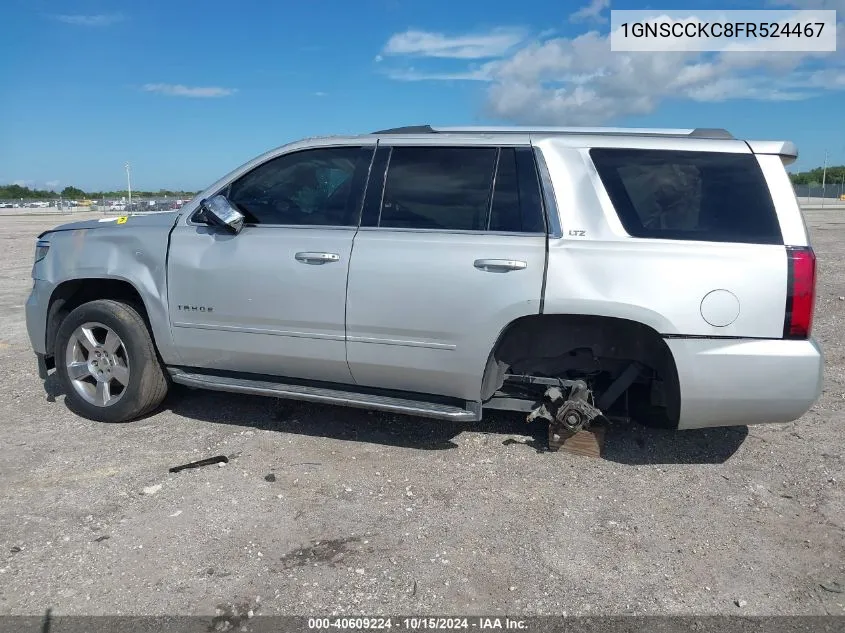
x=164, y=219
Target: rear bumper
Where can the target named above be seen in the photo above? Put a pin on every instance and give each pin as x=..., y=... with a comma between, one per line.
x=738, y=382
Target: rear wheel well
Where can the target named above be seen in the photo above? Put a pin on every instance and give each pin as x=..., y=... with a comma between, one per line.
x=596, y=349
x=71, y=294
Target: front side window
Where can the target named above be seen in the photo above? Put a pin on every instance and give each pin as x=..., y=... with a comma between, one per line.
x=320, y=187
x=445, y=188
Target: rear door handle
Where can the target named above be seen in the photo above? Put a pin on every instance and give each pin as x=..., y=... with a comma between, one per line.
x=499, y=265
x=317, y=258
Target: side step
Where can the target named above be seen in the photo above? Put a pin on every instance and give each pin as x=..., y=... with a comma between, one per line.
x=329, y=396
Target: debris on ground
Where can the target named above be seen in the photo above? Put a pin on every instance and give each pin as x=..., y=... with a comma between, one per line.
x=832, y=587
x=151, y=490
x=220, y=459
x=271, y=477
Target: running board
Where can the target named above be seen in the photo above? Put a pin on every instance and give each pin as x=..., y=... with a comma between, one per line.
x=322, y=395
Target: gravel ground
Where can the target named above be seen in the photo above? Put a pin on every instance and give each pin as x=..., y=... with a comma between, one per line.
x=328, y=510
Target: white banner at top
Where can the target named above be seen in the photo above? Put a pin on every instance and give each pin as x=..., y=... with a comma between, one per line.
x=750, y=31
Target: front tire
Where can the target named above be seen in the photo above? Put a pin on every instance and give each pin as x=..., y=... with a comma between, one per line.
x=107, y=364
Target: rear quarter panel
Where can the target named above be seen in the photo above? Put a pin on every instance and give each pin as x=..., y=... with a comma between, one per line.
x=597, y=268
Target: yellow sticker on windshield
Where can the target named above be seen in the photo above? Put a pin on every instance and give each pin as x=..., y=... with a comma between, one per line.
x=122, y=219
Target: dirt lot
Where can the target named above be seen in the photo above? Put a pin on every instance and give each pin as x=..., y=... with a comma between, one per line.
x=385, y=514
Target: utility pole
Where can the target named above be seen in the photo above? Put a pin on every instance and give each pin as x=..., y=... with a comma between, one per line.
x=129, y=185
x=824, y=176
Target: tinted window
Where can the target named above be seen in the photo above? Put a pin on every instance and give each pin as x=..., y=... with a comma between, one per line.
x=516, y=197
x=710, y=196
x=319, y=186
x=505, y=213
x=445, y=188
x=533, y=219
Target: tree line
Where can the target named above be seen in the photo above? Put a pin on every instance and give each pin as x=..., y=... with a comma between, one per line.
x=814, y=176
x=16, y=192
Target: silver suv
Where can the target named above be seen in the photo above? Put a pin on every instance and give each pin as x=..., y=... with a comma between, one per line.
x=664, y=276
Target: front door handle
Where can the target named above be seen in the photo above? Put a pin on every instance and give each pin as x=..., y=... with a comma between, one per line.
x=499, y=265
x=317, y=258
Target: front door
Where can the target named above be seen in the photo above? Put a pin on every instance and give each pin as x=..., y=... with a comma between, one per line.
x=271, y=299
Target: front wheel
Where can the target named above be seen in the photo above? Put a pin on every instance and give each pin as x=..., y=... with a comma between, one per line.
x=107, y=363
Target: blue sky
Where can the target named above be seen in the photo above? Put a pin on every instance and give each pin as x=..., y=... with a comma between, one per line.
x=186, y=91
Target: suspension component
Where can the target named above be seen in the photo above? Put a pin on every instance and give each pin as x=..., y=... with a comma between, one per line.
x=566, y=409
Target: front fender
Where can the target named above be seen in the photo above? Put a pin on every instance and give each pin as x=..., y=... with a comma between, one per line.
x=137, y=257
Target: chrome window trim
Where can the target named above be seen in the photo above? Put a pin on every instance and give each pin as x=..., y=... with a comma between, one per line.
x=452, y=231
x=548, y=194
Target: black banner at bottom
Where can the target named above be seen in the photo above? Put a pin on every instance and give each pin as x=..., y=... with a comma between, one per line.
x=282, y=624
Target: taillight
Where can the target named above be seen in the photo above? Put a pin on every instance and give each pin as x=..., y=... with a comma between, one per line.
x=800, y=292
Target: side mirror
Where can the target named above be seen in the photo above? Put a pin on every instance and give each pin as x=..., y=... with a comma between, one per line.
x=218, y=210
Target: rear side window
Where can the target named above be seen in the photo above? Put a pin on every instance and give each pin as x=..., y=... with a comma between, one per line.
x=709, y=196
x=445, y=188
x=517, y=206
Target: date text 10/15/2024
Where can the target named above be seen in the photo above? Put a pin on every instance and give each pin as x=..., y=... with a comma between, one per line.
x=417, y=623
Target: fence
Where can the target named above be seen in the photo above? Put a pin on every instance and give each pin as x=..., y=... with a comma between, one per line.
x=834, y=190
x=59, y=206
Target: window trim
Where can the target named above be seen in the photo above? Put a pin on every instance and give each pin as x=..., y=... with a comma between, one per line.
x=548, y=196
x=484, y=231
x=450, y=231
x=190, y=221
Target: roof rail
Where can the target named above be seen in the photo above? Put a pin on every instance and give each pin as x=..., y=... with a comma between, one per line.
x=714, y=133
x=711, y=132
x=408, y=129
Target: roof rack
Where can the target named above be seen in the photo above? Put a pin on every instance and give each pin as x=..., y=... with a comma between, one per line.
x=701, y=132
x=408, y=129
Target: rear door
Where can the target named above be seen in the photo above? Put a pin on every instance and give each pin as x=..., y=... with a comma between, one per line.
x=451, y=249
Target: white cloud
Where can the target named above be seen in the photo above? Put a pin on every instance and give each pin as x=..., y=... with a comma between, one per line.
x=52, y=184
x=320, y=93
x=591, y=11
x=470, y=46
x=580, y=81
x=101, y=19
x=24, y=183
x=178, y=90
x=482, y=73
